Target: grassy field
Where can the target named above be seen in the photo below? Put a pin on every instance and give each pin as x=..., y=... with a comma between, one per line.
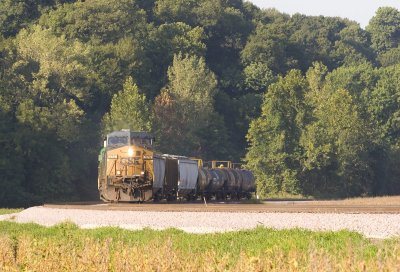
x=29, y=247
x=8, y=211
x=374, y=201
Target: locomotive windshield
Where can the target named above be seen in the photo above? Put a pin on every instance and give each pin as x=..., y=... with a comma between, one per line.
x=118, y=141
x=127, y=137
x=136, y=141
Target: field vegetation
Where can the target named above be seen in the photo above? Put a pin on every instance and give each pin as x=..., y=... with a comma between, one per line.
x=356, y=201
x=65, y=247
x=8, y=211
x=370, y=201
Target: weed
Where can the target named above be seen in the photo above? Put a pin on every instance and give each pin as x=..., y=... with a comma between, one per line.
x=9, y=211
x=65, y=247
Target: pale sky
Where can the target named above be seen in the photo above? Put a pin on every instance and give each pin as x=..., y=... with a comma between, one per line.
x=360, y=11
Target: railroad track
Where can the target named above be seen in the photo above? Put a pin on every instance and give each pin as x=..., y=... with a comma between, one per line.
x=234, y=207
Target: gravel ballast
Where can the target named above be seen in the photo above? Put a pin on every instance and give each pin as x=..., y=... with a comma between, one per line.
x=371, y=225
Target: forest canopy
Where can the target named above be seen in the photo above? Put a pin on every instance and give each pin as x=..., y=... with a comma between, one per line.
x=310, y=104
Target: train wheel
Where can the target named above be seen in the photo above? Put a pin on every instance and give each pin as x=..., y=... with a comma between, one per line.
x=191, y=197
x=220, y=196
x=156, y=198
x=207, y=197
x=171, y=198
x=224, y=196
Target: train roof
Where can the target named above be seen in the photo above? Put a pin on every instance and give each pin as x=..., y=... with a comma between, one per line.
x=132, y=134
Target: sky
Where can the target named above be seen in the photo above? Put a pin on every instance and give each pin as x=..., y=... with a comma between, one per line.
x=360, y=11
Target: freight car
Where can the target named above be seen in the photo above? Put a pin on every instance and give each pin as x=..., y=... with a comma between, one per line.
x=130, y=170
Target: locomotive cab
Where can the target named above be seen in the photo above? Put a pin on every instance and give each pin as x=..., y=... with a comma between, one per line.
x=126, y=137
x=125, y=168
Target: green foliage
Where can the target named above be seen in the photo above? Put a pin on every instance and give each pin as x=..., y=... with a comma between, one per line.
x=62, y=72
x=97, y=20
x=353, y=47
x=252, y=242
x=184, y=115
x=169, y=39
x=332, y=140
x=274, y=153
x=283, y=42
x=39, y=248
x=129, y=110
x=11, y=167
x=8, y=211
x=383, y=104
x=336, y=145
x=258, y=77
x=192, y=83
x=18, y=14
x=62, y=63
x=114, y=36
x=390, y=57
x=170, y=11
x=384, y=28
x=268, y=46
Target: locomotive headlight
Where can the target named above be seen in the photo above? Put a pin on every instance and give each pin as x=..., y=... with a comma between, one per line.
x=118, y=172
x=130, y=152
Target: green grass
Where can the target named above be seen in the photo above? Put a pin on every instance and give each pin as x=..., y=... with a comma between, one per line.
x=285, y=196
x=252, y=241
x=8, y=211
x=261, y=248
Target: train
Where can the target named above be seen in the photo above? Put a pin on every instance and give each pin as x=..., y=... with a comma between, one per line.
x=130, y=170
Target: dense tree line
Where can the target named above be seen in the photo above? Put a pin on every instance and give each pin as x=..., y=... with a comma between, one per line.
x=317, y=97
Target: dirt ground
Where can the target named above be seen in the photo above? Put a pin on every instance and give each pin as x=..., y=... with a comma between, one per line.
x=356, y=205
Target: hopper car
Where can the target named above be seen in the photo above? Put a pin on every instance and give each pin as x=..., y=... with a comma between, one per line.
x=131, y=171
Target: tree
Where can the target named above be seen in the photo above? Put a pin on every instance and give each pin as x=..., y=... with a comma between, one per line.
x=62, y=72
x=336, y=148
x=353, y=47
x=390, y=57
x=227, y=30
x=357, y=80
x=171, y=11
x=274, y=153
x=48, y=90
x=330, y=40
x=257, y=77
x=238, y=112
x=12, y=168
x=383, y=104
x=267, y=45
x=115, y=36
x=98, y=20
x=167, y=40
x=129, y=110
x=385, y=29
x=184, y=112
x=18, y=14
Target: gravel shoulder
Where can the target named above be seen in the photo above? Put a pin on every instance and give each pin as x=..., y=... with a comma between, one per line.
x=238, y=207
x=377, y=226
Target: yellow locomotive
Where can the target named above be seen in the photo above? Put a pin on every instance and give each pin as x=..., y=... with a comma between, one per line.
x=130, y=170
x=126, y=170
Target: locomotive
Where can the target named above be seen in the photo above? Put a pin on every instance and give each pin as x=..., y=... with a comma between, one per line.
x=131, y=171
